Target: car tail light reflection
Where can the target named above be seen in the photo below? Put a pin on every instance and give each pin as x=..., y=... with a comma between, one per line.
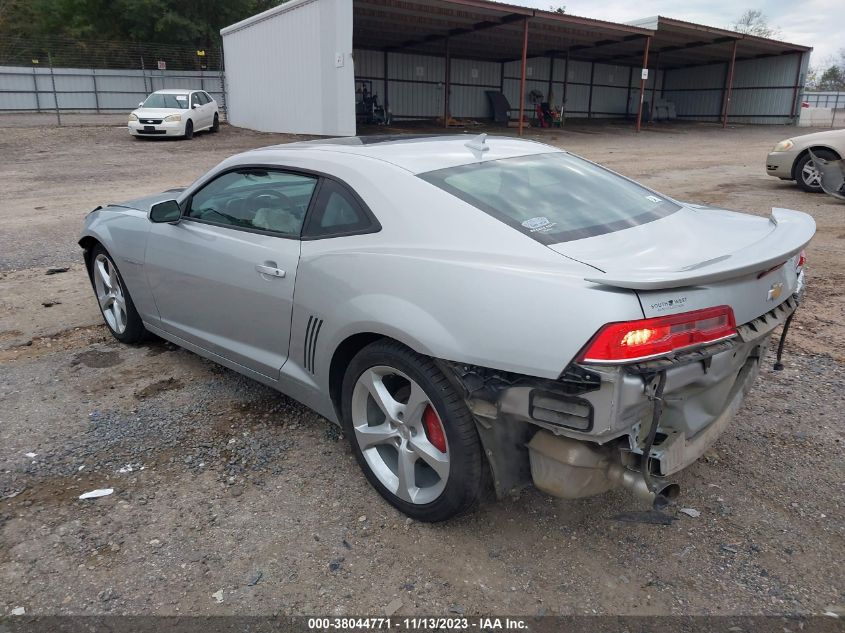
x=643, y=339
x=434, y=429
x=802, y=259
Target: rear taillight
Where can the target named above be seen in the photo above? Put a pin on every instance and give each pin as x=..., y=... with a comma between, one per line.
x=802, y=259
x=644, y=339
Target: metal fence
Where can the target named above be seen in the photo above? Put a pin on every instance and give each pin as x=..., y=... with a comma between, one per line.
x=829, y=100
x=95, y=89
x=57, y=76
x=824, y=99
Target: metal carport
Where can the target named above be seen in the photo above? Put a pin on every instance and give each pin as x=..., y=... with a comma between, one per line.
x=437, y=59
x=441, y=56
x=712, y=74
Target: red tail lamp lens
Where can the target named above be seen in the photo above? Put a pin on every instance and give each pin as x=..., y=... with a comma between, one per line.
x=648, y=338
x=434, y=429
x=802, y=259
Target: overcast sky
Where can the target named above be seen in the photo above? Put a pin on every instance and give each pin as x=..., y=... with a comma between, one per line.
x=816, y=23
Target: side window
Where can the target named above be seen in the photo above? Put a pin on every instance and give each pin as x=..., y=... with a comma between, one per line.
x=337, y=212
x=207, y=97
x=255, y=199
x=195, y=99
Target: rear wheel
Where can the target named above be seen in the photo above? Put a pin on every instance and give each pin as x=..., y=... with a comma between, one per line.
x=114, y=300
x=215, y=127
x=411, y=432
x=806, y=174
x=189, y=129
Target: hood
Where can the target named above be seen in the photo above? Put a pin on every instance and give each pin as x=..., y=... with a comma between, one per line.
x=146, y=202
x=156, y=113
x=694, y=245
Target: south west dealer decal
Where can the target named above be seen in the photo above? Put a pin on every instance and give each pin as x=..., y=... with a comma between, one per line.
x=670, y=304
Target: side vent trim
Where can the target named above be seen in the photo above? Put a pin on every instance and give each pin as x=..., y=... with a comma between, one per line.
x=312, y=331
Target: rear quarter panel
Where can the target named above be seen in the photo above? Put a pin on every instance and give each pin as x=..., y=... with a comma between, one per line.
x=449, y=281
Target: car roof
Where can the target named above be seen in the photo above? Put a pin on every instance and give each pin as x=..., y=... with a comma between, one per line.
x=176, y=91
x=422, y=153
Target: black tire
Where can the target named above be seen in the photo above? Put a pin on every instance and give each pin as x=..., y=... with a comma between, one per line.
x=464, y=483
x=135, y=331
x=802, y=164
x=215, y=127
x=189, y=130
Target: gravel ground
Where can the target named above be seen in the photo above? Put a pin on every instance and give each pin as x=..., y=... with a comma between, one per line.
x=232, y=499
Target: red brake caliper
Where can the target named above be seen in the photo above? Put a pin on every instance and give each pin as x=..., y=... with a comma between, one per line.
x=434, y=429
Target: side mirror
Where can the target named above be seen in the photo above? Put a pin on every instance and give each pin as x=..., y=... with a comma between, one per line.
x=140, y=104
x=194, y=106
x=167, y=211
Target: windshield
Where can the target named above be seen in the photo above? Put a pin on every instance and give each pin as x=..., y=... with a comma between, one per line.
x=160, y=100
x=553, y=197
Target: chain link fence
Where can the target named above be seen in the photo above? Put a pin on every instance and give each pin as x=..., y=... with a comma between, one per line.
x=62, y=76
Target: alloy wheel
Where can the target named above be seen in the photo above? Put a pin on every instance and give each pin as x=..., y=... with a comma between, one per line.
x=110, y=293
x=810, y=175
x=400, y=434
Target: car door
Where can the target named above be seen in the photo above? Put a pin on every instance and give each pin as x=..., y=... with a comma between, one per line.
x=223, y=277
x=210, y=106
x=207, y=108
x=197, y=112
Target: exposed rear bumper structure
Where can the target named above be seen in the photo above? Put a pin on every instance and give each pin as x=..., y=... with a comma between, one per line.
x=594, y=421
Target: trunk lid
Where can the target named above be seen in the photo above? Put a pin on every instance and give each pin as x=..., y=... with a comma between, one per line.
x=700, y=257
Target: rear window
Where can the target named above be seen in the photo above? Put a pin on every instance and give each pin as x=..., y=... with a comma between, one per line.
x=553, y=197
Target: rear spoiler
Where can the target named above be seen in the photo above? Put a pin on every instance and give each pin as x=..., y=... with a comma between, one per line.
x=791, y=232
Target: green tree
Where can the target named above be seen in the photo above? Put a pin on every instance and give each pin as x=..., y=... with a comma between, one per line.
x=175, y=22
x=832, y=78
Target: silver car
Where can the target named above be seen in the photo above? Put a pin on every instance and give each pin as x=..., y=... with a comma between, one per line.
x=472, y=311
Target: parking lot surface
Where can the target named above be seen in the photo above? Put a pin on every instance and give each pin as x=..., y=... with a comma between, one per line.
x=232, y=499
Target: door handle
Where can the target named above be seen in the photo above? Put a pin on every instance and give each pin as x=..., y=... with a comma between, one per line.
x=269, y=270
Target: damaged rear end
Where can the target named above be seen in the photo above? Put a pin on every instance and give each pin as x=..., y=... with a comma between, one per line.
x=639, y=399
x=644, y=399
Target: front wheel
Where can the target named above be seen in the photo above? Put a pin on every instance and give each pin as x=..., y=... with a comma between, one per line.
x=411, y=432
x=807, y=176
x=215, y=127
x=189, y=130
x=114, y=300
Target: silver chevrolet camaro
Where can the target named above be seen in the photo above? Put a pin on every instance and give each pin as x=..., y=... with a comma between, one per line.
x=473, y=311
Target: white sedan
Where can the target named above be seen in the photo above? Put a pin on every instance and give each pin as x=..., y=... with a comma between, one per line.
x=175, y=113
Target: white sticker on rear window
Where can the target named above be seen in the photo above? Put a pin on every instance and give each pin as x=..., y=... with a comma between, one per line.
x=654, y=199
x=541, y=224
x=181, y=98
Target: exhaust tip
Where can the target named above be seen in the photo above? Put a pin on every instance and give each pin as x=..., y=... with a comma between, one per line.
x=664, y=496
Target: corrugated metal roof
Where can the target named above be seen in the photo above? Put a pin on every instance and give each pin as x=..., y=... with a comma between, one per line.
x=680, y=43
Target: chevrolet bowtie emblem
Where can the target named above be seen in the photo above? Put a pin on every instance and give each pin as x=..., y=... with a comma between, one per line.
x=775, y=291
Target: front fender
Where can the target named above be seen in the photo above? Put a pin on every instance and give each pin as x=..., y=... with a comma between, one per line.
x=123, y=233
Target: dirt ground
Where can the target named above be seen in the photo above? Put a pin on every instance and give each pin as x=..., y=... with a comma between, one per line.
x=232, y=499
